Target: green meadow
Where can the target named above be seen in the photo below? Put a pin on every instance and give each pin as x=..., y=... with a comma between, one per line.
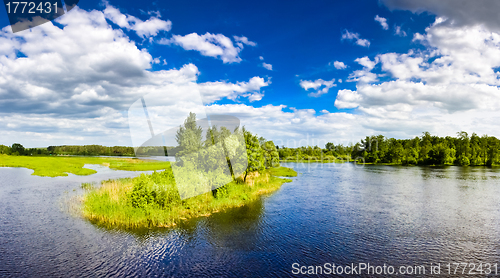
x=54, y=166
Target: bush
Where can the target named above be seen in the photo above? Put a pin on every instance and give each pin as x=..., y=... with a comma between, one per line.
x=155, y=190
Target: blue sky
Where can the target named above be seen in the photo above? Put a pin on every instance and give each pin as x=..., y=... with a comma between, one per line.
x=290, y=70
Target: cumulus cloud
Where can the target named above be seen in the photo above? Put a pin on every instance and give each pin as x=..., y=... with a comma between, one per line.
x=297, y=127
x=364, y=75
x=338, y=65
x=366, y=62
x=452, y=85
x=346, y=35
x=316, y=85
x=398, y=31
x=459, y=12
x=148, y=28
x=211, y=45
x=213, y=91
x=267, y=66
x=74, y=81
x=382, y=21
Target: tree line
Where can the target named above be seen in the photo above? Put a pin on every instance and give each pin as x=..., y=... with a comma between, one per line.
x=261, y=153
x=18, y=149
x=422, y=150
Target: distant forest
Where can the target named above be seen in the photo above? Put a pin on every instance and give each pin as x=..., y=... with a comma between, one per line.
x=18, y=149
x=422, y=150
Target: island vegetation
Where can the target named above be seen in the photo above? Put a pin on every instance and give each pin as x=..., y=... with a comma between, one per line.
x=154, y=201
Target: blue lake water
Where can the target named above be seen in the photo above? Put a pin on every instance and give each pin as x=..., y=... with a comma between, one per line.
x=331, y=213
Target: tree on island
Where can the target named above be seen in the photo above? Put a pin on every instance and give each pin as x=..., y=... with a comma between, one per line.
x=261, y=154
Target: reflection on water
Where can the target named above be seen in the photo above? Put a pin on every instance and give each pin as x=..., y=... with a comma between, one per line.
x=338, y=214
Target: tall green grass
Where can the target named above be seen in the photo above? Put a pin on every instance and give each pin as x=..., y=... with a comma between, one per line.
x=53, y=166
x=282, y=172
x=153, y=200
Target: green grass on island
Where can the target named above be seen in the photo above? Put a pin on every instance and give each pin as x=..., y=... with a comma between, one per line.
x=153, y=200
x=53, y=166
x=282, y=172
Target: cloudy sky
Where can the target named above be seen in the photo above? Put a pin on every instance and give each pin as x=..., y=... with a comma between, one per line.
x=292, y=71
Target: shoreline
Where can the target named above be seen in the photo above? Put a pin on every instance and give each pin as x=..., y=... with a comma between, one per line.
x=56, y=166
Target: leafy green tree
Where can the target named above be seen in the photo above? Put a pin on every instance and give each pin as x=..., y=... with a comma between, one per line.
x=396, y=151
x=271, y=156
x=189, y=136
x=493, y=154
x=463, y=148
x=425, y=147
x=255, y=153
x=5, y=149
x=17, y=148
x=484, y=148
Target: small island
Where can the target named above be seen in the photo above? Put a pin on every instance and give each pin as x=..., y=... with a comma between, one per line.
x=155, y=200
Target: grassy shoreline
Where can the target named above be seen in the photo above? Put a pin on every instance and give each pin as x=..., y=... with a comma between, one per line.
x=55, y=166
x=140, y=203
x=314, y=161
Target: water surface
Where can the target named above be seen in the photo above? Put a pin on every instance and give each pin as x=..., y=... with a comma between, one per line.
x=330, y=213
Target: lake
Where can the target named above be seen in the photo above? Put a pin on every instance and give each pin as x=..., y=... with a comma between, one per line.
x=338, y=214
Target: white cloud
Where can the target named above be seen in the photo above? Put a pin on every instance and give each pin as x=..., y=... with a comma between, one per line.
x=212, y=45
x=365, y=75
x=267, y=66
x=363, y=42
x=74, y=82
x=243, y=40
x=347, y=99
x=366, y=62
x=255, y=97
x=213, y=91
x=382, y=21
x=296, y=128
x=339, y=65
x=418, y=37
x=399, y=32
x=148, y=28
x=315, y=85
x=355, y=37
x=451, y=86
